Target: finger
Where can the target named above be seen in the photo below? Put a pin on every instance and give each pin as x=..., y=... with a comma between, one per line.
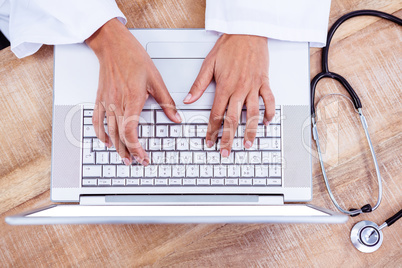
x=130, y=130
x=162, y=96
x=269, y=102
x=216, y=116
x=98, y=118
x=230, y=124
x=115, y=136
x=252, y=119
x=202, y=81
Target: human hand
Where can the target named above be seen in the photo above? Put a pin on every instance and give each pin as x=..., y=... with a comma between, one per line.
x=239, y=64
x=126, y=78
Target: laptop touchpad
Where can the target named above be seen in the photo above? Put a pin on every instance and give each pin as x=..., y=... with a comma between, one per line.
x=179, y=74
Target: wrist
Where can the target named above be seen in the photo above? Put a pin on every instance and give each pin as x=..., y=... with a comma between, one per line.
x=106, y=36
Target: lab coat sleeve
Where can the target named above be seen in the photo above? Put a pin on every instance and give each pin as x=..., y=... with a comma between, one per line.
x=290, y=20
x=33, y=23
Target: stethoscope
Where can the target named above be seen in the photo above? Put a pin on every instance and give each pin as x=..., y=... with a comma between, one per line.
x=366, y=236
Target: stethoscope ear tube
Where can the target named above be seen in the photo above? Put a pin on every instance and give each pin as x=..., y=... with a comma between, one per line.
x=340, y=79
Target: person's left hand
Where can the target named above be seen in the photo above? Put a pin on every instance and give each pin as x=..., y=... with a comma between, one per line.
x=239, y=64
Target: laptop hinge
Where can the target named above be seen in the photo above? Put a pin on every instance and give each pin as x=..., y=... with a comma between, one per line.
x=182, y=200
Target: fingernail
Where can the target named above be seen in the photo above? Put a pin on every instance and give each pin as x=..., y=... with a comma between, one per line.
x=145, y=162
x=178, y=117
x=248, y=144
x=225, y=153
x=265, y=122
x=187, y=98
x=210, y=144
x=126, y=161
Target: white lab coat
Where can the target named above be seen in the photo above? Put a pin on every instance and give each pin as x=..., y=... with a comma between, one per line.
x=29, y=24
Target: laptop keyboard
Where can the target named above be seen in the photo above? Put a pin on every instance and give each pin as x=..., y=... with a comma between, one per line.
x=179, y=156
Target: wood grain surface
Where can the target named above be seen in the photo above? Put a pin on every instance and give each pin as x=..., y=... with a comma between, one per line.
x=366, y=51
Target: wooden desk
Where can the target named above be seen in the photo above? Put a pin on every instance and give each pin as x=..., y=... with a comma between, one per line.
x=366, y=51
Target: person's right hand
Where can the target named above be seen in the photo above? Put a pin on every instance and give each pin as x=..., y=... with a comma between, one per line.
x=127, y=76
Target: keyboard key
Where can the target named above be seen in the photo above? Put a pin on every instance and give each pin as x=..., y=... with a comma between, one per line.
x=89, y=131
x=158, y=158
x=188, y=181
x=143, y=143
x=132, y=182
x=241, y=157
x=175, y=181
x=203, y=182
x=241, y=130
x=196, y=116
x=202, y=130
x=192, y=171
x=186, y=157
x=146, y=181
x=102, y=158
x=155, y=144
x=231, y=181
x=273, y=131
x=178, y=171
x=88, y=113
x=150, y=171
x=109, y=171
x=89, y=182
x=277, y=117
x=228, y=160
x=123, y=171
x=115, y=158
x=206, y=171
x=118, y=182
x=172, y=157
x=168, y=144
x=274, y=182
x=213, y=157
x=146, y=117
x=200, y=158
x=234, y=171
x=161, y=131
x=165, y=171
x=247, y=171
x=259, y=182
x=88, y=157
x=137, y=171
x=97, y=145
x=206, y=148
x=275, y=171
x=87, y=120
x=244, y=181
x=217, y=181
x=182, y=144
x=237, y=144
x=147, y=131
x=161, y=181
x=260, y=131
x=266, y=143
x=254, y=157
x=219, y=171
x=189, y=131
x=175, y=131
x=91, y=171
x=195, y=144
x=261, y=171
x=104, y=182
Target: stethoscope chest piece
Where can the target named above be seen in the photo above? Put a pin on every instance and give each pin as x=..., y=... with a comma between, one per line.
x=366, y=236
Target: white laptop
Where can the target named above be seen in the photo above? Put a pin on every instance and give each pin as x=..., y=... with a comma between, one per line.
x=186, y=182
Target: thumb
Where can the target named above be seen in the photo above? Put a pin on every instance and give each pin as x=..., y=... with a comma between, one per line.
x=201, y=82
x=165, y=101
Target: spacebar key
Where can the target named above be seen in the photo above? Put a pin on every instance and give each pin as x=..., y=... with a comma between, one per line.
x=188, y=116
